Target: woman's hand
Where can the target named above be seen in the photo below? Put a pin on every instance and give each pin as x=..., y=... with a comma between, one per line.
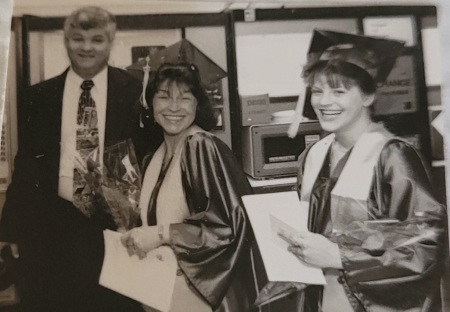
x=316, y=250
x=139, y=241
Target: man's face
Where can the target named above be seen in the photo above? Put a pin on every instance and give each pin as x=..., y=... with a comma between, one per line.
x=88, y=50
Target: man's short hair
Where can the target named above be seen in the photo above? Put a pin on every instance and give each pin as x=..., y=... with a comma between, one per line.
x=89, y=18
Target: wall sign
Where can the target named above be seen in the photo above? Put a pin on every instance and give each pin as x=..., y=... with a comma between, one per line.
x=398, y=94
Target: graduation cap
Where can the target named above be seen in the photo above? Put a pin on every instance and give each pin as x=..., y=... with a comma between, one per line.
x=185, y=52
x=181, y=52
x=144, y=57
x=375, y=55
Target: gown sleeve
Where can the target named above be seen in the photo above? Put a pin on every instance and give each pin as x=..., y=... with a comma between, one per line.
x=396, y=264
x=210, y=242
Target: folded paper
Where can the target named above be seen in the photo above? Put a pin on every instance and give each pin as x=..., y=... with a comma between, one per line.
x=150, y=280
x=280, y=264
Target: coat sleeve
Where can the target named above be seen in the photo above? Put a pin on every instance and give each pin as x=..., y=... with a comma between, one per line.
x=21, y=193
x=402, y=258
x=210, y=242
x=18, y=199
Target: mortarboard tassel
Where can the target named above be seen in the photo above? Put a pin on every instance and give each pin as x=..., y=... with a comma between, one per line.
x=298, y=116
x=144, y=103
x=146, y=70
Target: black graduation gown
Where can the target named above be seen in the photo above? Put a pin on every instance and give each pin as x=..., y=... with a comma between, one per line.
x=212, y=245
x=378, y=275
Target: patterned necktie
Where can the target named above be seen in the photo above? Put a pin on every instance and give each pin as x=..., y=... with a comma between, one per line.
x=85, y=99
x=87, y=146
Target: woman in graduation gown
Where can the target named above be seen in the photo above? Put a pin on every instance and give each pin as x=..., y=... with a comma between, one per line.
x=191, y=200
x=376, y=229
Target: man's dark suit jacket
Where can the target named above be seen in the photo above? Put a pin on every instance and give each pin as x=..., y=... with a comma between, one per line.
x=61, y=250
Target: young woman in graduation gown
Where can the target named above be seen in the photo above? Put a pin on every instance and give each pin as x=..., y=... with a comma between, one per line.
x=376, y=229
x=191, y=200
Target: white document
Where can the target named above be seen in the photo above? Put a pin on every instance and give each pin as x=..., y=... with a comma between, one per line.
x=438, y=123
x=280, y=264
x=395, y=27
x=431, y=47
x=150, y=281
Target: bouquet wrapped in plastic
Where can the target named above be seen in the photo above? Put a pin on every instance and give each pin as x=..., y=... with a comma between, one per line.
x=377, y=236
x=273, y=291
x=116, y=187
x=120, y=185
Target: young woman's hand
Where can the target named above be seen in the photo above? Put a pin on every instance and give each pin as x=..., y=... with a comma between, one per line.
x=316, y=250
x=139, y=241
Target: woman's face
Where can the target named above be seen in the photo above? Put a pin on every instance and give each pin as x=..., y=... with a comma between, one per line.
x=174, y=107
x=340, y=109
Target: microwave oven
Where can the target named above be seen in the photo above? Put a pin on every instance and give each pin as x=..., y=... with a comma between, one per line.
x=268, y=152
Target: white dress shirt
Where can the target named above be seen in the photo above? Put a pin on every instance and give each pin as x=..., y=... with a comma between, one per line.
x=71, y=96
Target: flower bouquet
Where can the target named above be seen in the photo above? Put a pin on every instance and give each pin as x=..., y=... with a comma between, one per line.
x=120, y=186
x=115, y=189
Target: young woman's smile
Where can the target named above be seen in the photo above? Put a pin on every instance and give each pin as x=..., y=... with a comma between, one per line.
x=330, y=112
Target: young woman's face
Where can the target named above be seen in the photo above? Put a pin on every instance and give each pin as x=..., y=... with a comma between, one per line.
x=174, y=107
x=339, y=109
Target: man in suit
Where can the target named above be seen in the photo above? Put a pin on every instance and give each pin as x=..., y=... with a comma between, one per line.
x=61, y=250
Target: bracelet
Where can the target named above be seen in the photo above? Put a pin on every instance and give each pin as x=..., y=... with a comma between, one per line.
x=161, y=232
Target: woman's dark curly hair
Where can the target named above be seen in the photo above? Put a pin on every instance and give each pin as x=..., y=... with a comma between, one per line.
x=184, y=73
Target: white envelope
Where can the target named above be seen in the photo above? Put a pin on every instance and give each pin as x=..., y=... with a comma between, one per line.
x=280, y=264
x=150, y=281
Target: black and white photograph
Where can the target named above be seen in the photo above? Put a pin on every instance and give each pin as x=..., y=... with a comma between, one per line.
x=224, y=156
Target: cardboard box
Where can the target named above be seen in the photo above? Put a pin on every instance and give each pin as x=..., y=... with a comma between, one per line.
x=255, y=109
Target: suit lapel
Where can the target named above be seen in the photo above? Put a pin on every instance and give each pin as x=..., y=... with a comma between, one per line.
x=116, y=106
x=56, y=106
x=46, y=136
x=121, y=90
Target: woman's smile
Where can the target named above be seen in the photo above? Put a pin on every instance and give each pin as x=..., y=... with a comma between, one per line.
x=174, y=118
x=330, y=112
